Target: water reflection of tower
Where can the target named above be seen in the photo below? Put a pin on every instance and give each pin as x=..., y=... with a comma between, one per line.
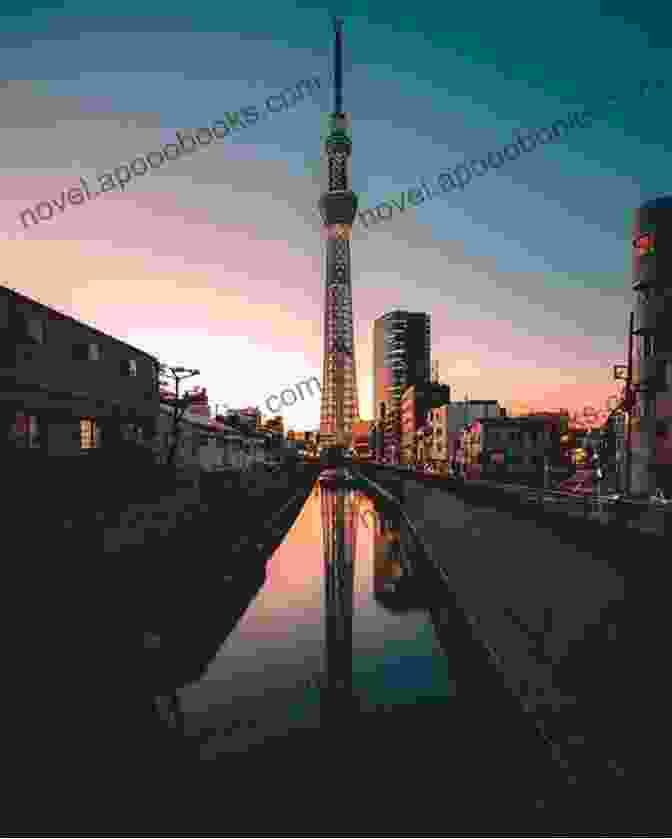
x=339, y=511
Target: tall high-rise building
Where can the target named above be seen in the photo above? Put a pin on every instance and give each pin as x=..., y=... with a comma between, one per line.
x=401, y=358
x=338, y=206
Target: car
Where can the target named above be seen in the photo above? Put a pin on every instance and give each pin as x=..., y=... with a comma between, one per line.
x=659, y=498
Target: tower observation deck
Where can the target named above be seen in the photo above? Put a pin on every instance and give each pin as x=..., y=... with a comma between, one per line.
x=338, y=206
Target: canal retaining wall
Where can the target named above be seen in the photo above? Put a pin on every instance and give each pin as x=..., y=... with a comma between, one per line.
x=82, y=605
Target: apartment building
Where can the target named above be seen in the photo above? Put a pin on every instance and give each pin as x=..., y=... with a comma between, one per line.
x=467, y=459
x=520, y=448
x=448, y=422
x=651, y=416
x=417, y=402
x=67, y=388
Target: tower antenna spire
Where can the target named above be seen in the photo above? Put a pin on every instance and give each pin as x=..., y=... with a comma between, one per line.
x=338, y=65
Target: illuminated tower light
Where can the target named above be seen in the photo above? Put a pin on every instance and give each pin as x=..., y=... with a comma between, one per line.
x=338, y=207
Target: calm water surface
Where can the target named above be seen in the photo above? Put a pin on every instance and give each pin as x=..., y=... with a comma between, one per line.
x=340, y=624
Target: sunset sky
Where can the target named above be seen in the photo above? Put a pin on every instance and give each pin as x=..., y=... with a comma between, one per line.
x=215, y=260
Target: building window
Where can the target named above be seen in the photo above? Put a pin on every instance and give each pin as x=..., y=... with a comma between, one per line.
x=88, y=434
x=87, y=352
x=24, y=433
x=648, y=346
x=35, y=330
x=129, y=367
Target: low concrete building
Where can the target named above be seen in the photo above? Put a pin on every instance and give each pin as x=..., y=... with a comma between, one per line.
x=467, y=460
x=448, y=422
x=66, y=387
x=211, y=443
x=521, y=448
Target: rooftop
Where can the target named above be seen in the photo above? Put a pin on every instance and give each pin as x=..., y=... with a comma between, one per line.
x=662, y=202
x=55, y=313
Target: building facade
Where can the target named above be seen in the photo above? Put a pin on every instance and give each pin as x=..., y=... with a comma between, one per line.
x=448, y=422
x=467, y=458
x=651, y=416
x=360, y=438
x=417, y=402
x=210, y=443
x=67, y=388
x=401, y=358
x=521, y=449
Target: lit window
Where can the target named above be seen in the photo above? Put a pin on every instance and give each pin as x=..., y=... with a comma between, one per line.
x=129, y=367
x=645, y=245
x=88, y=434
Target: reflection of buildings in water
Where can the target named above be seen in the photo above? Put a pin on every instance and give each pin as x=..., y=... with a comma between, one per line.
x=387, y=567
x=395, y=577
x=339, y=510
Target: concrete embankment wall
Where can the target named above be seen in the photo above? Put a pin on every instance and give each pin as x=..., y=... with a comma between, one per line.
x=77, y=602
x=94, y=530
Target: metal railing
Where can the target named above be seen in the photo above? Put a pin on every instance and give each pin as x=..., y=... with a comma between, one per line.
x=644, y=514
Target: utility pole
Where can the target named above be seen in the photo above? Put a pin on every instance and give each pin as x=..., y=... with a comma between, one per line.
x=179, y=409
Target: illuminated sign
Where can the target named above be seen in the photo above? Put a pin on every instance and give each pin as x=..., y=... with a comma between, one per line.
x=645, y=245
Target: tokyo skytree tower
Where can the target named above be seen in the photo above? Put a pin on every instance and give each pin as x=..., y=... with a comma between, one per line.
x=338, y=206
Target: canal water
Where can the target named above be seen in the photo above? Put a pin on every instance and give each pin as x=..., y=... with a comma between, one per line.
x=338, y=628
x=351, y=651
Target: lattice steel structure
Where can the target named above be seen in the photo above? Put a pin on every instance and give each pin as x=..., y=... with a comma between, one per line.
x=339, y=511
x=338, y=206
